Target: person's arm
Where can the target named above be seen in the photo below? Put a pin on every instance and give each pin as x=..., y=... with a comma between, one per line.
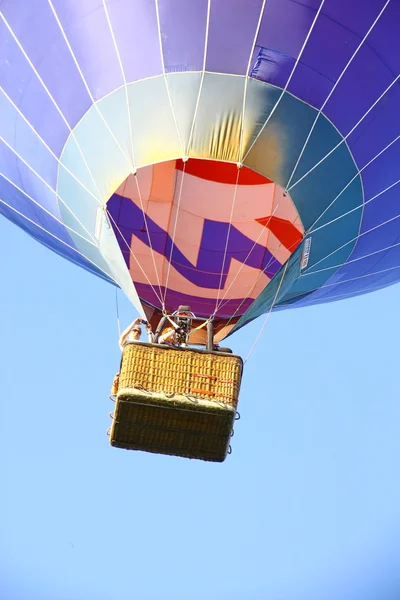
x=168, y=337
x=127, y=331
x=162, y=338
x=149, y=333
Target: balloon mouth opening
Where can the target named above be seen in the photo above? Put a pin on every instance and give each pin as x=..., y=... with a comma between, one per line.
x=204, y=233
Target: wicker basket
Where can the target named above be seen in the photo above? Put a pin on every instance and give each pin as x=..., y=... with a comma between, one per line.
x=176, y=401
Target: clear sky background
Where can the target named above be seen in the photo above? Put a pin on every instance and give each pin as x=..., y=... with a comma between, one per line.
x=307, y=506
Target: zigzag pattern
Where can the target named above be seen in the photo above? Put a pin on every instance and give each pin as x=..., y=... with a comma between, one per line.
x=206, y=272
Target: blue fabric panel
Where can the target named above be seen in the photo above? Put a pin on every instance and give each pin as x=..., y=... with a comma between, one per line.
x=276, y=290
x=49, y=54
x=25, y=90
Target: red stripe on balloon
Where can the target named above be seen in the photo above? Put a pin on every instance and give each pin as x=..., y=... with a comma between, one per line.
x=221, y=172
x=284, y=230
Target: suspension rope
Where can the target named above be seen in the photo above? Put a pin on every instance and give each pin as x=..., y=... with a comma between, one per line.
x=96, y=108
x=258, y=135
x=94, y=242
x=327, y=268
x=352, y=279
x=268, y=315
x=35, y=71
x=246, y=82
x=288, y=81
x=349, y=262
x=60, y=163
x=66, y=122
x=149, y=238
x=222, y=303
x=86, y=84
x=261, y=272
x=240, y=164
x=134, y=257
x=227, y=238
x=331, y=93
x=174, y=234
x=117, y=312
x=202, y=78
x=165, y=75
x=108, y=127
x=288, y=187
x=47, y=211
x=311, y=228
x=346, y=136
x=124, y=80
x=350, y=241
x=371, y=288
x=58, y=240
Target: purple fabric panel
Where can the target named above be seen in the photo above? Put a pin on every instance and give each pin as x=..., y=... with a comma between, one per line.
x=49, y=54
x=88, y=33
x=183, y=31
x=335, y=36
x=233, y=25
x=23, y=87
x=362, y=84
x=329, y=47
x=285, y=25
x=24, y=205
x=134, y=23
x=310, y=86
x=202, y=307
x=307, y=84
x=387, y=259
x=207, y=271
x=376, y=213
x=380, y=210
x=17, y=172
x=283, y=29
x=377, y=239
x=271, y=66
x=373, y=265
x=377, y=130
x=385, y=38
x=383, y=280
x=355, y=15
x=23, y=140
x=358, y=269
x=323, y=59
x=372, y=70
x=380, y=174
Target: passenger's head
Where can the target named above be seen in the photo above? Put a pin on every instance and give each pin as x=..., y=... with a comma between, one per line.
x=136, y=332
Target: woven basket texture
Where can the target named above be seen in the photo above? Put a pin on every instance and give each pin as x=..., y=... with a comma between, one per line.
x=177, y=402
x=208, y=375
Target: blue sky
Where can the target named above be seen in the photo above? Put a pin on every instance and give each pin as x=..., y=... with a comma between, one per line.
x=307, y=506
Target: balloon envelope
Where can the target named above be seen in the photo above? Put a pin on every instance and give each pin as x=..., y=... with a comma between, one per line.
x=230, y=155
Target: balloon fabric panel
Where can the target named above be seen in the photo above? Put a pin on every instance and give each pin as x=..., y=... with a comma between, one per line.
x=207, y=98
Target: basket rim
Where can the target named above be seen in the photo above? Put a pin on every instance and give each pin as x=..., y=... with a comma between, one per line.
x=162, y=399
x=183, y=349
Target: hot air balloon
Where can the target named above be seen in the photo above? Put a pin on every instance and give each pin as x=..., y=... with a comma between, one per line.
x=233, y=156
